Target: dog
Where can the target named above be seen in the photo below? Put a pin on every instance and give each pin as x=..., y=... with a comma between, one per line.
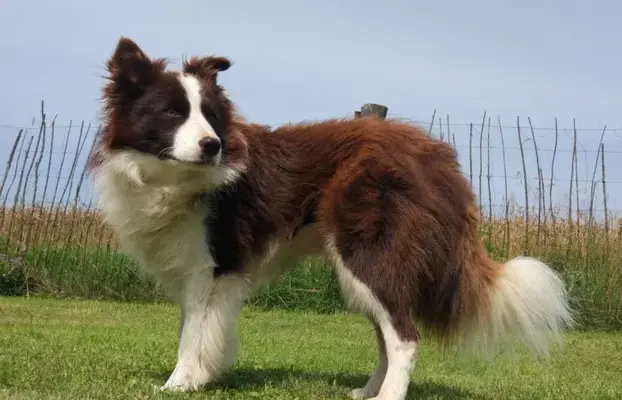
x=213, y=207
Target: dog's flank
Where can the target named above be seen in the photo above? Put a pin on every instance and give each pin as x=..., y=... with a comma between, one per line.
x=214, y=207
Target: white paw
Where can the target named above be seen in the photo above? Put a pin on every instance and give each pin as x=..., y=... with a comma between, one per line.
x=361, y=394
x=184, y=379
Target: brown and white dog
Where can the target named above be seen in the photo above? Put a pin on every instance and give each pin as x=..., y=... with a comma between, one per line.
x=214, y=207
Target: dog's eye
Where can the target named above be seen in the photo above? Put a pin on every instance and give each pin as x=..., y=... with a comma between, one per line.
x=171, y=112
x=209, y=113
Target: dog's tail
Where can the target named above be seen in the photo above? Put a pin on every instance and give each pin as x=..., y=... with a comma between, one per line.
x=486, y=305
x=524, y=299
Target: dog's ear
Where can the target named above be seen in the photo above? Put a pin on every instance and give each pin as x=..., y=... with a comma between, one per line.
x=206, y=67
x=130, y=68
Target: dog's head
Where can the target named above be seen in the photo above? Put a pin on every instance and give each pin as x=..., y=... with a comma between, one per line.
x=179, y=118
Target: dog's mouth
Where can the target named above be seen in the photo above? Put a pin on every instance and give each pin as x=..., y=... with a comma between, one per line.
x=203, y=161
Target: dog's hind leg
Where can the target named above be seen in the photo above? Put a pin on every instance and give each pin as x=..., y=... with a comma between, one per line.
x=396, y=335
x=372, y=387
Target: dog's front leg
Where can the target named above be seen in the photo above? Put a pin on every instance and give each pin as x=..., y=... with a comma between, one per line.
x=208, y=337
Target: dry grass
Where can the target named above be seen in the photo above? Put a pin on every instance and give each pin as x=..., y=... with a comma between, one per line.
x=84, y=228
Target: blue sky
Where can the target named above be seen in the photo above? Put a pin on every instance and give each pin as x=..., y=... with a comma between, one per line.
x=320, y=59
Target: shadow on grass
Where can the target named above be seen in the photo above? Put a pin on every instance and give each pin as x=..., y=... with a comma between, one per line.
x=246, y=379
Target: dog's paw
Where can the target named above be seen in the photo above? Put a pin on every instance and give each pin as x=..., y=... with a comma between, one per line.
x=361, y=394
x=184, y=379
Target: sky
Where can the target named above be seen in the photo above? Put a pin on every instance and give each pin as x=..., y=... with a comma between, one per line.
x=318, y=59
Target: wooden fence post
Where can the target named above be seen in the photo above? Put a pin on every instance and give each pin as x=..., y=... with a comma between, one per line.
x=373, y=110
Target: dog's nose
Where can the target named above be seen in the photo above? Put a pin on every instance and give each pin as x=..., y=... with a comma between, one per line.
x=210, y=146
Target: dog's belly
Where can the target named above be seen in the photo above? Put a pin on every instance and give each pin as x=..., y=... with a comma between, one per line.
x=282, y=254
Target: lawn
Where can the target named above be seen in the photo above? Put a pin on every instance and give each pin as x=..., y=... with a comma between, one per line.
x=65, y=349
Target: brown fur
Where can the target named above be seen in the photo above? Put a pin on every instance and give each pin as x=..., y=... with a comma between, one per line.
x=402, y=215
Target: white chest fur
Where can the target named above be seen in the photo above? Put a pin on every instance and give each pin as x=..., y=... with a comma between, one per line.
x=155, y=214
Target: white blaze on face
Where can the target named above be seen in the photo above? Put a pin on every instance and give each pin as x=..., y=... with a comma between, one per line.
x=186, y=142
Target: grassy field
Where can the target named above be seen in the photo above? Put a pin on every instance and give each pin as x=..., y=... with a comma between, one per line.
x=68, y=349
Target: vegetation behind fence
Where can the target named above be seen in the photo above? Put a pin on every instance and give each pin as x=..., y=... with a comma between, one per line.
x=53, y=241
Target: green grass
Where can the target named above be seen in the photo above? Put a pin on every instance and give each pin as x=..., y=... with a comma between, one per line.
x=103, y=274
x=68, y=349
x=594, y=285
